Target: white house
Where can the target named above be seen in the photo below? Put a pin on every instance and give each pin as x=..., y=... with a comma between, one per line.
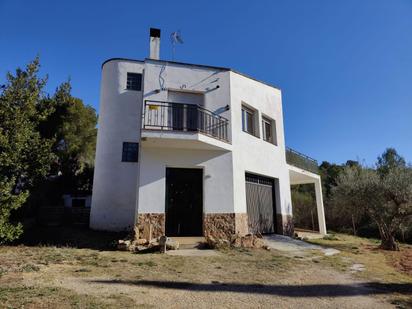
x=193, y=150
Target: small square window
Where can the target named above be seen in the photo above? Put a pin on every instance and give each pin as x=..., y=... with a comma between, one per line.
x=79, y=203
x=134, y=81
x=248, y=120
x=269, y=130
x=130, y=152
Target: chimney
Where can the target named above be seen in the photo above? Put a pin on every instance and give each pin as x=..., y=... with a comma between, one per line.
x=154, y=43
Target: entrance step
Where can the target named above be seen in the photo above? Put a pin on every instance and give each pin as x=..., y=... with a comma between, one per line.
x=189, y=242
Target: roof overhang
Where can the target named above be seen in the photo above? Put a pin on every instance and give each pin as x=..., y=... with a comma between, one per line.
x=298, y=176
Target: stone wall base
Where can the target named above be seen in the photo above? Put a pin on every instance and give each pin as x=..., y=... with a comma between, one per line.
x=284, y=225
x=216, y=225
x=224, y=225
x=150, y=226
x=241, y=223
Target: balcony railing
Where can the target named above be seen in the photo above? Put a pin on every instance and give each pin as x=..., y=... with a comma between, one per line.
x=171, y=116
x=302, y=161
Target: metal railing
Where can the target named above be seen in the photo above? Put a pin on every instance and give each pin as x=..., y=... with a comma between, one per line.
x=172, y=116
x=302, y=161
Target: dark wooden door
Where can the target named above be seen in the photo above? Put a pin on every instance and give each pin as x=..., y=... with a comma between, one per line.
x=184, y=202
x=260, y=202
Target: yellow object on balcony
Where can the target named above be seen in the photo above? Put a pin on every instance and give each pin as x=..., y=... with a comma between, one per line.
x=153, y=107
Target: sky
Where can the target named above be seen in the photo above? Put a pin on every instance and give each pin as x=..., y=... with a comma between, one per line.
x=344, y=67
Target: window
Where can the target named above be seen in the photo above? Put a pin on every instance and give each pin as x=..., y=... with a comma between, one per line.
x=79, y=203
x=269, y=130
x=130, y=152
x=248, y=123
x=134, y=81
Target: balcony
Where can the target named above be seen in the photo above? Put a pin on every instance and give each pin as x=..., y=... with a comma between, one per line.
x=171, y=116
x=184, y=126
x=302, y=161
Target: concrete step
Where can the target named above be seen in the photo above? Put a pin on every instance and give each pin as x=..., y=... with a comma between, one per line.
x=189, y=242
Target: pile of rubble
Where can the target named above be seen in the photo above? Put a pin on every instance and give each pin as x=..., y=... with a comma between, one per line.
x=144, y=245
x=238, y=241
x=142, y=241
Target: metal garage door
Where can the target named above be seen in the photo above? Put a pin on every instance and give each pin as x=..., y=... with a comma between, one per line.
x=260, y=197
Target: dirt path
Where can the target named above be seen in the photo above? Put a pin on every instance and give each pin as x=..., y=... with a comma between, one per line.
x=312, y=287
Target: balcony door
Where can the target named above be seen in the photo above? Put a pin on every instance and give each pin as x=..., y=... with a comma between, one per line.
x=184, y=113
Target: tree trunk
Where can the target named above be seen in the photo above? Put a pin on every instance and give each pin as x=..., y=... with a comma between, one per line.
x=313, y=221
x=389, y=243
x=353, y=225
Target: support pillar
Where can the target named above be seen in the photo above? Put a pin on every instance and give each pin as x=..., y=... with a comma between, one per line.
x=320, y=209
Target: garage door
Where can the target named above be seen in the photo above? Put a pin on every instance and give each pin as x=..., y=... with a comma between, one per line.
x=260, y=201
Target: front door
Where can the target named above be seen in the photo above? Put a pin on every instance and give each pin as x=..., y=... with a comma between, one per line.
x=184, y=202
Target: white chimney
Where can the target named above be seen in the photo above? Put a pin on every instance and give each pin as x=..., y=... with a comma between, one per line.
x=154, y=43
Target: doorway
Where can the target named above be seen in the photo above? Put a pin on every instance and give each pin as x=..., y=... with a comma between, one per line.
x=260, y=202
x=184, y=202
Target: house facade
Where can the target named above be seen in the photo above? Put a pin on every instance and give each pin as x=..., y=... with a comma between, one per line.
x=192, y=150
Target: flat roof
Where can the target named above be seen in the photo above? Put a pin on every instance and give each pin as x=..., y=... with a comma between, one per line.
x=194, y=65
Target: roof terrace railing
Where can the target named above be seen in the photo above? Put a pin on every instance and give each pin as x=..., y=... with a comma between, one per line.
x=172, y=116
x=302, y=161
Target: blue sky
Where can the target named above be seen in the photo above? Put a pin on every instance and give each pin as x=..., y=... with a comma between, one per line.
x=344, y=67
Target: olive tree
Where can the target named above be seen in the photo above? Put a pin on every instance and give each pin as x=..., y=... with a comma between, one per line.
x=387, y=199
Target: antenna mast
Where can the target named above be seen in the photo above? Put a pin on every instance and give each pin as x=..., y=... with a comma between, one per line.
x=175, y=38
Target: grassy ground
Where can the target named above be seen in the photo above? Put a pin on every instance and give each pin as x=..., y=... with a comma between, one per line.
x=71, y=273
x=387, y=267
x=380, y=265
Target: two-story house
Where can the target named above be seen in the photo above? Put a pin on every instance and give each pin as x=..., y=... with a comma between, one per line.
x=193, y=150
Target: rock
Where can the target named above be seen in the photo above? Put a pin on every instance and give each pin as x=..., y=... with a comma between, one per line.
x=123, y=245
x=162, y=244
x=153, y=243
x=217, y=243
x=172, y=244
x=247, y=241
x=357, y=267
x=137, y=249
x=140, y=242
x=237, y=241
x=147, y=231
x=259, y=243
x=210, y=241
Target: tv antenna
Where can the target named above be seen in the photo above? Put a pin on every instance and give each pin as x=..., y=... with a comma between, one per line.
x=175, y=38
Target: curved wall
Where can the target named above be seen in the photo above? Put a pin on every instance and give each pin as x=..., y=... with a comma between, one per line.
x=115, y=182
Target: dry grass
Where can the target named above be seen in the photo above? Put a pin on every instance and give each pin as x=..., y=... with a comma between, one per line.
x=30, y=276
x=33, y=276
x=380, y=265
x=390, y=267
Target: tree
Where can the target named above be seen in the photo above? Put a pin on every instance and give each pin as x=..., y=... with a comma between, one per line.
x=304, y=207
x=329, y=173
x=25, y=155
x=72, y=126
x=390, y=159
x=387, y=200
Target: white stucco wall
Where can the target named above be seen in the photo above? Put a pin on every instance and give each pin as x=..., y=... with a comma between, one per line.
x=115, y=182
x=217, y=165
x=121, y=188
x=189, y=78
x=253, y=154
x=217, y=176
